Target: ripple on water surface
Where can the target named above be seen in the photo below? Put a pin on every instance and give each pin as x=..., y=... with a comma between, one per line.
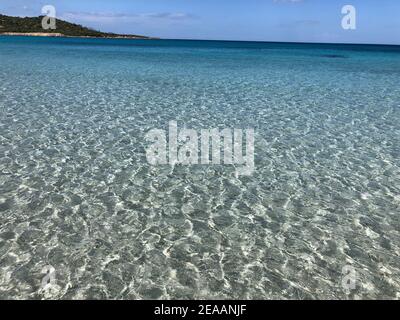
x=77, y=193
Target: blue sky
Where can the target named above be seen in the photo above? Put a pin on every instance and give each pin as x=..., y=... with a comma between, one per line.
x=378, y=21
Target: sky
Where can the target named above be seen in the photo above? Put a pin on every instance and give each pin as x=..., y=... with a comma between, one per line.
x=377, y=21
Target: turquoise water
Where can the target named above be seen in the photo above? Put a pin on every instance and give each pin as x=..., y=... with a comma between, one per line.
x=77, y=193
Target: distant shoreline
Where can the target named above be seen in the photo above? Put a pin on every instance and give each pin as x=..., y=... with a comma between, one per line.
x=61, y=35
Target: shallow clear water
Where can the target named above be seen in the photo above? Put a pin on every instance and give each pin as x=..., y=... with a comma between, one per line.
x=77, y=193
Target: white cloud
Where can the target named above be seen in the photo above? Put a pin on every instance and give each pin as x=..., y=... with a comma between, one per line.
x=111, y=17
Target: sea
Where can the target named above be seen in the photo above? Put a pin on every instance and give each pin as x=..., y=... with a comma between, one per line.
x=85, y=215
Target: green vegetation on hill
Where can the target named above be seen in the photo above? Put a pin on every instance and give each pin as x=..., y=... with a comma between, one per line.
x=34, y=25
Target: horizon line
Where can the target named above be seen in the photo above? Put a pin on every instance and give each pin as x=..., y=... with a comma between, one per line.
x=287, y=42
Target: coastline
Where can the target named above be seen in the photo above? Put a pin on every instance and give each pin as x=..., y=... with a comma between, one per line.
x=61, y=35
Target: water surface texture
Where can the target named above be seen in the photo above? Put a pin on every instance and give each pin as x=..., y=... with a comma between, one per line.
x=77, y=193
